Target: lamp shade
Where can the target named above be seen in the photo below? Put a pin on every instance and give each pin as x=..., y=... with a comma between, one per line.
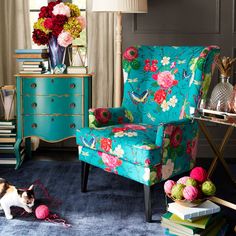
x=125, y=6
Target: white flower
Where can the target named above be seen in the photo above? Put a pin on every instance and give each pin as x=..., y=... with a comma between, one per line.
x=119, y=134
x=164, y=106
x=167, y=169
x=118, y=151
x=146, y=175
x=165, y=61
x=131, y=134
x=172, y=102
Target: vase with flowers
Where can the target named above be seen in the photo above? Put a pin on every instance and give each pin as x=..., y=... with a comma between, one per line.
x=58, y=24
x=222, y=92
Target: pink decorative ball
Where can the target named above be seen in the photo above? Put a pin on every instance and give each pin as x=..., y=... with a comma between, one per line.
x=183, y=180
x=190, y=193
x=41, y=212
x=168, y=186
x=199, y=174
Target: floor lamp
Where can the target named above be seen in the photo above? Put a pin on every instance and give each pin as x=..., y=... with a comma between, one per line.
x=119, y=6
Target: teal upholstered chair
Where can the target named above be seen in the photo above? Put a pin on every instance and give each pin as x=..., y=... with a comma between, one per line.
x=151, y=137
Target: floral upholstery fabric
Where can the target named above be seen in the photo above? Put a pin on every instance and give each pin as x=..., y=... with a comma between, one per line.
x=151, y=137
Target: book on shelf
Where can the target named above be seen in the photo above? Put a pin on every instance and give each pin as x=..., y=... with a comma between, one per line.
x=7, y=127
x=77, y=70
x=4, y=123
x=32, y=66
x=31, y=51
x=7, y=140
x=31, y=59
x=31, y=72
x=5, y=131
x=33, y=56
x=206, y=208
x=8, y=135
x=33, y=69
x=32, y=63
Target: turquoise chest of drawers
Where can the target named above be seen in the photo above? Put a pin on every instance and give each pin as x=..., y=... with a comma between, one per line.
x=50, y=107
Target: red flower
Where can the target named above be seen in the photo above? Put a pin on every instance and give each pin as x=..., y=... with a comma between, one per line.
x=120, y=119
x=189, y=148
x=160, y=96
x=44, y=12
x=58, y=22
x=119, y=129
x=48, y=23
x=102, y=115
x=106, y=144
x=130, y=53
x=176, y=137
x=39, y=37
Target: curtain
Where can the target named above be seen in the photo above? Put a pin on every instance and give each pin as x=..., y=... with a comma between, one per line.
x=101, y=56
x=14, y=33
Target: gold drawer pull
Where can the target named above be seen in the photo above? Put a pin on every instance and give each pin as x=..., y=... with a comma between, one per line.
x=72, y=126
x=72, y=105
x=34, y=104
x=72, y=85
x=34, y=125
x=33, y=85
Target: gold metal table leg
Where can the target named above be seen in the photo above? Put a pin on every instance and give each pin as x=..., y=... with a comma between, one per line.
x=218, y=152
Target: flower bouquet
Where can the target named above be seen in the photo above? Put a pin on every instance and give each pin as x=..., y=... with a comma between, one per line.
x=190, y=191
x=58, y=24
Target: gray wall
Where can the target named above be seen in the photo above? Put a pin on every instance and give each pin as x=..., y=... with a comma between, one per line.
x=187, y=22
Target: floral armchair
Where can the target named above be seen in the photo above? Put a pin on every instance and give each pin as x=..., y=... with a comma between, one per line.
x=151, y=137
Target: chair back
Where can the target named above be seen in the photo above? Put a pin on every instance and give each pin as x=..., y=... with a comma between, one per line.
x=162, y=83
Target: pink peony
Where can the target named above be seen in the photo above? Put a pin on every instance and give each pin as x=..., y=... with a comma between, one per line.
x=61, y=9
x=64, y=39
x=165, y=79
x=110, y=161
x=82, y=22
x=131, y=53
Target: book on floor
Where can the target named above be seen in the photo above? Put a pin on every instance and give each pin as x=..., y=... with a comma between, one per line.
x=206, y=208
x=200, y=223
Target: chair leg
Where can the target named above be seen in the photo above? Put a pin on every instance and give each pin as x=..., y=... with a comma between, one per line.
x=84, y=176
x=148, y=203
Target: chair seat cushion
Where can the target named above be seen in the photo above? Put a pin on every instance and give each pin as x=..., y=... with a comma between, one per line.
x=131, y=142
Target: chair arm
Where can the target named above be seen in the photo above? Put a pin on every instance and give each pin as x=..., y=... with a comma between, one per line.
x=178, y=139
x=100, y=117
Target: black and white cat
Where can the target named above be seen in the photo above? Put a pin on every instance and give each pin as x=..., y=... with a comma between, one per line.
x=11, y=196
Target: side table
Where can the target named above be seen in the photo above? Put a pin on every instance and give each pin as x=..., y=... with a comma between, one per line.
x=218, y=151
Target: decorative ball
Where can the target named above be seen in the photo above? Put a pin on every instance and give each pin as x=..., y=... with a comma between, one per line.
x=190, y=193
x=208, y=188
x=199, y=174
x=183, y=180
x=177, y=191
x=168, y=186
x=191, y=182
x=41, y=212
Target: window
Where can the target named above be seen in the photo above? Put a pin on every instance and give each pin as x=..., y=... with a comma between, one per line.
x=35, y=6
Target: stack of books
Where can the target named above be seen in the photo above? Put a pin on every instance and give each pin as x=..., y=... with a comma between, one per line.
x=7, y=141
x=33, y=61
x=204, y=219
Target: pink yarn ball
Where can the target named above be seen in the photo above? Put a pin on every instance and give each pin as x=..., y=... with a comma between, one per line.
x=199, y=174
x=183, y=180
x=41, y=212
x=190, y=193
x=168, y=186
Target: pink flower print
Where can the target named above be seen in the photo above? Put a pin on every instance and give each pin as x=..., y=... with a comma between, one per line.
x=176, y=137
x=182, y=113
x=130, y=53
x=112, y=162
x=173, y=64
x=135, y=127
x=147, y=162
x=169, y=130
x=165, y=79
x=160, y=96
x=154, y=66
x=64, y=39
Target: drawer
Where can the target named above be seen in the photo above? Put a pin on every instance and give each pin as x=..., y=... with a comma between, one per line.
x=51, y=128
x=52, y=86
x=52, y=105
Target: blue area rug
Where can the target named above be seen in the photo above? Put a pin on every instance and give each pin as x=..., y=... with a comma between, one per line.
x=113, y=205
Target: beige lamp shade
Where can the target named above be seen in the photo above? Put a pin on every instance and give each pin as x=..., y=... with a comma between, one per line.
x=125, y=6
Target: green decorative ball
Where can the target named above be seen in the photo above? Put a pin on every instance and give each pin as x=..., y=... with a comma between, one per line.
x=191, y=182
x=208, y=188
x=177, y=191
